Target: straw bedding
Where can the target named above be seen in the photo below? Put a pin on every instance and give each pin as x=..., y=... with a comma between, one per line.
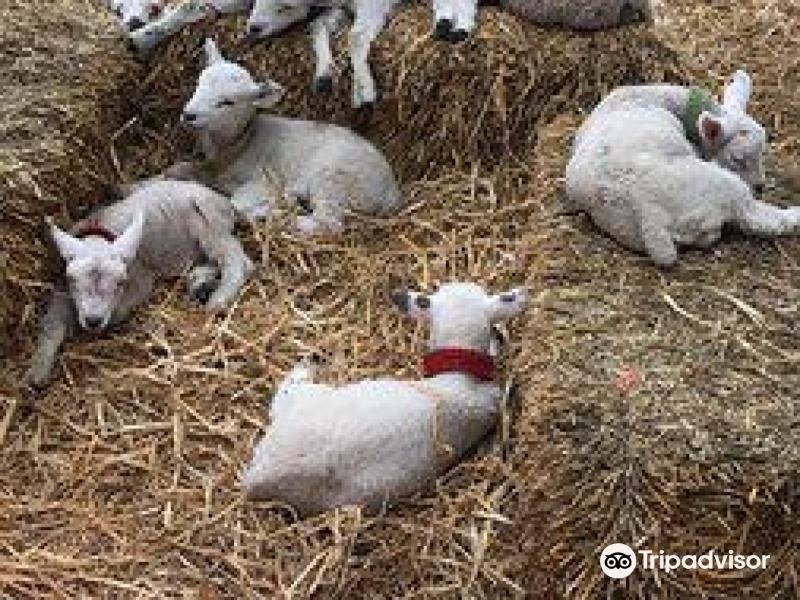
x=659, y=408
x=668, y=402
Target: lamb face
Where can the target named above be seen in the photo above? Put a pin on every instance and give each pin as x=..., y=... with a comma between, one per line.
x=226, y=96
x=269, y=17
x=733, y=139
x=462, y=315
x=97, y=271
x=743, y=151
x=135, y=14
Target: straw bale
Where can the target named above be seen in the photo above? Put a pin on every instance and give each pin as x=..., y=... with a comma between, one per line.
x=64, y=76
x=667, y=402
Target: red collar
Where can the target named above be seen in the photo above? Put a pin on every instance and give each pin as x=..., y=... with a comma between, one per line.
x=92, y=227
x=458, y=360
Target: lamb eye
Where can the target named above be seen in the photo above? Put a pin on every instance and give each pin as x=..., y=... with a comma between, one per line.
x=155, y=10
x=739, y=163
x=226, y=102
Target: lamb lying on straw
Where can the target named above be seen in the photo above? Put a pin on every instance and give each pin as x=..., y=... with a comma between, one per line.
x=659, y=167
x=114, y=257
x=455, y=19
x=257, y=159
x=375, y=440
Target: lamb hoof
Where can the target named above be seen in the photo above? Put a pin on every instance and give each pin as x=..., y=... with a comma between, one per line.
x=36, y=379
x=202, y=291
x=443, y=29
x=323, y=85
x=363, y=101
x=629, y=15
x=141, y=43
x=132, y=46
x=458, y=36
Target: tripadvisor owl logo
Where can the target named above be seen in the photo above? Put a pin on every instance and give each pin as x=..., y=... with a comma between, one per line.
x=618, y=561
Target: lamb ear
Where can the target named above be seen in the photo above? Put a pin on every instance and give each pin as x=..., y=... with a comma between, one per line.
x=127, y=245
x=212, y=52
x=68, y=246
x=737, y=92
x=413, y=304
x=711, y=129
x=507, y=305
x=268, y=94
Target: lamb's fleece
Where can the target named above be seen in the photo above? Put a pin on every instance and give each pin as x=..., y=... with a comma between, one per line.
x=577, y=14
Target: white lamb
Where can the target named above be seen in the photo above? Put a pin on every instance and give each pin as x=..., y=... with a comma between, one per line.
x=269, y=17
x=135, y=14
x=658, y=167
x=114, y=257
x=326, y=168
x=582, y=14
x=181, y=14
x=377, y=440
x=455, y=19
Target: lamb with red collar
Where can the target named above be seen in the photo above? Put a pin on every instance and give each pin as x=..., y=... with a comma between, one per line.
x=114, y=257
x=376, y=440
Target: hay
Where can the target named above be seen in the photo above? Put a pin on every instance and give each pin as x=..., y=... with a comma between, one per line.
x=703, y=450
x=444, y=106
x=61, y=74
x=125, y=482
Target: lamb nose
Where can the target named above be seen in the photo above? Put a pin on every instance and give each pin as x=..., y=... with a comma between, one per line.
x=93, y=322
x=458, y=35
x=135, y=23
x=189, y=117
x=254, y=31
x=443, y=28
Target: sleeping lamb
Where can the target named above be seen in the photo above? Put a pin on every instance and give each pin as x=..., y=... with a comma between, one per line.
x=114, y=257
x=269, y=17
x=323, y=167
x=658, y=167
x=455, y=19
x=379, y=439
